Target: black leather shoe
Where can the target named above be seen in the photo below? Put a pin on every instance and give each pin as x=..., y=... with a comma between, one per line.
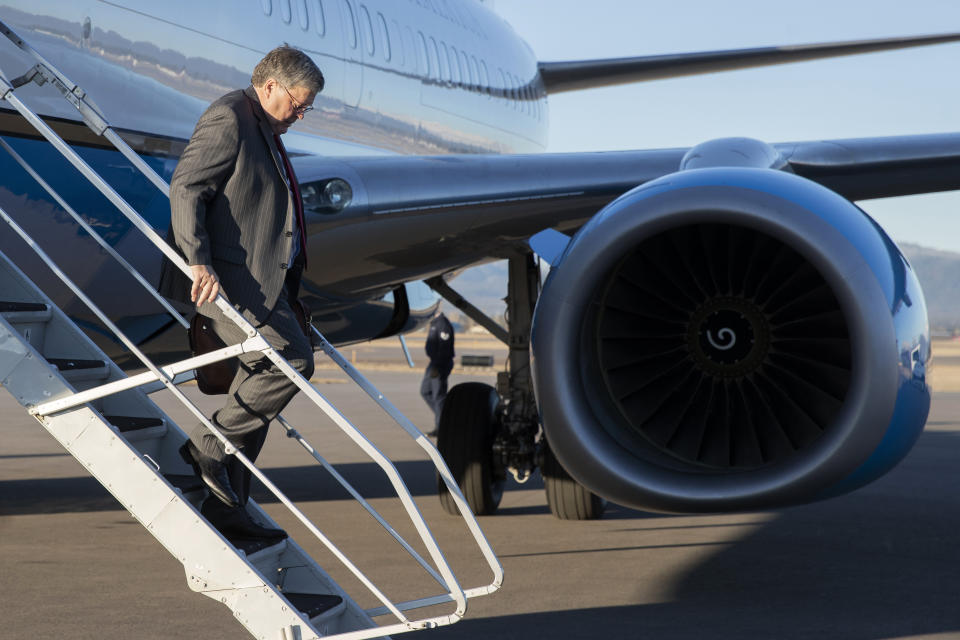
x=235, y=522
x=213, y=473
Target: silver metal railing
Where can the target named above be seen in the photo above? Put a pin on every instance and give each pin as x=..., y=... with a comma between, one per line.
x=44, y=72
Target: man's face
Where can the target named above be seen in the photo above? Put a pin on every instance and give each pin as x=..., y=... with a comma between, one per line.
x=284, y=105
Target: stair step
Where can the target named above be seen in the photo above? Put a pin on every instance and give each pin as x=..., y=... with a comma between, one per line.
x=266, y=558
x=76, y=369
x=255, y=546
x=138, y=429
x=185, y=483
x=126, y=424
x=316, y=605
x=29, y=318
x=7, y=306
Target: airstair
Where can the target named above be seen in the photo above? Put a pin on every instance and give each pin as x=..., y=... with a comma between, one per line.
x=107, y=420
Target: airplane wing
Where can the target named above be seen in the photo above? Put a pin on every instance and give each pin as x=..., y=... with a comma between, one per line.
x=725, y=330
x=435, y=214
x=589, y=74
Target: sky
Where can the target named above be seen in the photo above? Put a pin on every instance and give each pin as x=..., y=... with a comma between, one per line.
x=892, y=93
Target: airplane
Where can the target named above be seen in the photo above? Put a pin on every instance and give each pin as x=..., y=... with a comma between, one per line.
x=721, y=329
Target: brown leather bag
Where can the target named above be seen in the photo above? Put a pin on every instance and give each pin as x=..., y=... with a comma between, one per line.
x=216, y=377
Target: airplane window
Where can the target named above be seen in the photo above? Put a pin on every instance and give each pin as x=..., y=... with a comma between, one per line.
x=503, y=93
x=465, y=69
x=367, y=30
x=485, y=78
x=437, y=61
x=302, y=14
x=352, y=27
x=385, y=36
x=424, y=61
x=402, y=42
x=267, y=6
x=434, y=59
x=454, y=65
x=320, y=24
x=445, y=71
x=285, y=10
x=475, y=76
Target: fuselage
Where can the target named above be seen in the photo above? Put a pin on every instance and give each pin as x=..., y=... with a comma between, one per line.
x=402, y=77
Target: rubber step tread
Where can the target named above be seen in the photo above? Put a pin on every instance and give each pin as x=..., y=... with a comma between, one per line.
x=133, y=423
x=261, y=552
x=313, y=604
x=186, y=483
x=251, y=546
x=76, y=364
x=7, y=306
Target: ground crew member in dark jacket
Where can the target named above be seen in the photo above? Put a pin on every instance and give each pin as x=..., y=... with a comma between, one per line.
x=439, y=348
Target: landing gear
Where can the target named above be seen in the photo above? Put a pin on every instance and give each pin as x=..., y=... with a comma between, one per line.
x=567, y=498
x=480, y=450
x=468, y=423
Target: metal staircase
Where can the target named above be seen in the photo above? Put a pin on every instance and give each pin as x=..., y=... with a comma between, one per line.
x=107, y=421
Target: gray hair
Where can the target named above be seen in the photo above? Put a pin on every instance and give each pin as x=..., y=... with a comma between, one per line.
x=289, y=66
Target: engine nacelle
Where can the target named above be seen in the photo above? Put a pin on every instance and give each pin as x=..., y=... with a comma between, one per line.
x=730, y=339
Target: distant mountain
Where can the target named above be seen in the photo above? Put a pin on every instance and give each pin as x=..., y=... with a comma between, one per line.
x=938, y=271
x=939, y=275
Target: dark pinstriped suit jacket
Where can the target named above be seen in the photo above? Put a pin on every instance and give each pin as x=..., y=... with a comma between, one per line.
x=231, y=208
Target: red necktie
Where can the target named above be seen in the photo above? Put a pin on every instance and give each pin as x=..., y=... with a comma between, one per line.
x=297, y=200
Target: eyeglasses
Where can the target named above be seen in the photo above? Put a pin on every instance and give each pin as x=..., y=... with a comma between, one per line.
x=298, y=108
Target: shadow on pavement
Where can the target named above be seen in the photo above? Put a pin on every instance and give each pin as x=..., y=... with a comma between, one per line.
x=879, y=563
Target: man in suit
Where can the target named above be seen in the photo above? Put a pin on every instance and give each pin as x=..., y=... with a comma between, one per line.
x=439, y=348
x=237, y=218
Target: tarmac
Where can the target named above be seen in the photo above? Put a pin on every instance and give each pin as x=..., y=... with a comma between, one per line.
x=880, y=563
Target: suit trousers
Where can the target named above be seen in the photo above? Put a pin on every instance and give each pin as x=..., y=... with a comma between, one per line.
x=260, y=390
x=433, y=390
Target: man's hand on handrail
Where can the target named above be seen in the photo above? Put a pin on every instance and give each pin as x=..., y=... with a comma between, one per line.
x=206, y=284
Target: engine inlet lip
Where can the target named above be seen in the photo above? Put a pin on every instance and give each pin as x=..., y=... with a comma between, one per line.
x=840, y=242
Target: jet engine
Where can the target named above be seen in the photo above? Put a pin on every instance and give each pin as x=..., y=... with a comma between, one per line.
x=728, y=339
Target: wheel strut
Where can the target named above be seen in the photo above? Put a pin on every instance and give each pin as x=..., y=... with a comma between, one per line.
x=517, y=445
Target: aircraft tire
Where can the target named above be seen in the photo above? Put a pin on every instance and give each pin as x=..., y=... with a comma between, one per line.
x=465, y=435
x=567, y=498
